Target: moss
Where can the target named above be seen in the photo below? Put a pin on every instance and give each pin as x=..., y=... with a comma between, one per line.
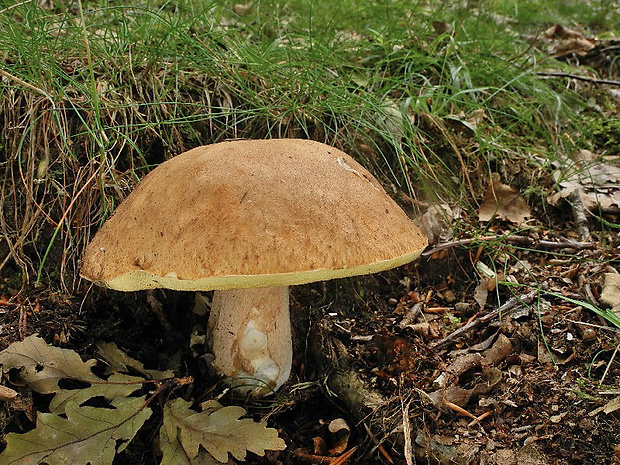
x=605, y=134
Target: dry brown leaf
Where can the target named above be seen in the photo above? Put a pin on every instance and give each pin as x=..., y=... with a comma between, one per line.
x=441, y=27
x=612, y=405
x=503, y=202
x=498, y=352
x=436, y=223
x=7, y=393
x=446, y=449
x=598, y=184
x=532, y=454
x=567, y=41
x=481, y=293
x=453, y=394
x=339, y=436
x=504, y=456
x=491, y=377
x=561, y=32
x=242, y=9
x=543, y=354
x=464, y=363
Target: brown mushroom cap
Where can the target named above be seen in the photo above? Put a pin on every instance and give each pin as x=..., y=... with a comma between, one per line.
x=251, y=213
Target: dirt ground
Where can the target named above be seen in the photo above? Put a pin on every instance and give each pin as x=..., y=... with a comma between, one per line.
x=528, y=386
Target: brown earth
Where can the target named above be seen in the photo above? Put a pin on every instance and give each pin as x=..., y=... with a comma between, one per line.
x=525, y=387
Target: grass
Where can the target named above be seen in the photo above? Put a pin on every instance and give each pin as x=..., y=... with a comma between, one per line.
x=100, y=92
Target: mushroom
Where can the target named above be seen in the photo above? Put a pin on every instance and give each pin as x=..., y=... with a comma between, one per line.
x=247, y=219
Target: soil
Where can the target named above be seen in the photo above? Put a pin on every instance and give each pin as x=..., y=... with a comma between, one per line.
x=525, y=387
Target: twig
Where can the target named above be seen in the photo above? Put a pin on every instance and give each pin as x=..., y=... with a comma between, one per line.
x=583, y=323
x=382, y=450
x=458, y=409
x=480, y=418
x=579, y=78
x=512, y=303
x=579, y=214
x=344, y=458
x=611, y=361
x=15, y=5
x=408, y=448
x=523, y=240
x=322, y=459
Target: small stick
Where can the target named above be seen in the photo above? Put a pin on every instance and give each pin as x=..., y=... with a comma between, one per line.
x=512, y=303
x=437, y=309
x=480, y=418
x=382, y=450
x=580, y=78
x=583, y=323
x=579, y=214
x=322, y=459
x=611, y=361
x=459, y=409
x=344, y=458
x=524, y=240
x=408, y=448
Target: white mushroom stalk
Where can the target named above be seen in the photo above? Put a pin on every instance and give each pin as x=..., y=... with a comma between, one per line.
x=249, y=333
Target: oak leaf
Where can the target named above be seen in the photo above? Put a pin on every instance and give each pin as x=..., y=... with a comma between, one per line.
x=88, y=435
x=42, y=366
x=217, y=429
x=119, y=361
x=174, y=454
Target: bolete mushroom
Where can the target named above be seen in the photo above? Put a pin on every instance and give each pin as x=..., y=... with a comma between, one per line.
x=247, y=219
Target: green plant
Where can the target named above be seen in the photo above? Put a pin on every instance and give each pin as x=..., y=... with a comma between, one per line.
x=606, y=313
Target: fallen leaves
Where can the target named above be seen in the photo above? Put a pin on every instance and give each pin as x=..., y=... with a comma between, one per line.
x=217, y=429
x=436, y=222
x=7, y=394
x=88, y=435
x=597, y=184
x=610, y=407
x=77, y=433
x=503, y=202
x=565, y=41
x=42, y=366
x=330, y=445
x=451, y=396
x=611, y=292
x=117, y=360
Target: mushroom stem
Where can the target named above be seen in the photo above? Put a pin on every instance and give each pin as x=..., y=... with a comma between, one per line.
x=250, y=335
